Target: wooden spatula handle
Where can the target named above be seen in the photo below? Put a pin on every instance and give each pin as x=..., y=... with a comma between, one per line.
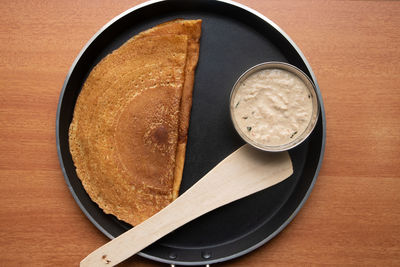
x=242, y=173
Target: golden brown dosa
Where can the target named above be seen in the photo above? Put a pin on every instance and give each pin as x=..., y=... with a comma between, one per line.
x=130, y=121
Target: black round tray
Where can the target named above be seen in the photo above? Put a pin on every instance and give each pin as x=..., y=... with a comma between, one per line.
x=234, y=38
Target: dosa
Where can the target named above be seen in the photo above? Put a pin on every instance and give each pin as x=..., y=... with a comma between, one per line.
x=129, y=130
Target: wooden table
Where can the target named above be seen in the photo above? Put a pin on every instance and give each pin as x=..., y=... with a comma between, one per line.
x=353, y=214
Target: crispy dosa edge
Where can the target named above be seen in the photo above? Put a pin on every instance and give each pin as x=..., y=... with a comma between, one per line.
x=191, y=28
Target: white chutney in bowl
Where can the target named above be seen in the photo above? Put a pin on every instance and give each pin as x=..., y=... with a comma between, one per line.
x=274, y=106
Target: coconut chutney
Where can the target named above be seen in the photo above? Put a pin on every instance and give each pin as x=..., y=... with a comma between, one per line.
x=272, y=107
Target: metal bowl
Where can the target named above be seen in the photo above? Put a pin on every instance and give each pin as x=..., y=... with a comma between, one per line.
x=315, y=105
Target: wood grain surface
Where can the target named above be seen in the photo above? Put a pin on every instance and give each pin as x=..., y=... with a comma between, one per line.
x=353, y=214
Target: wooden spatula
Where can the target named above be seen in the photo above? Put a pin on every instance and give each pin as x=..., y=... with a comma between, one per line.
x=244, y=172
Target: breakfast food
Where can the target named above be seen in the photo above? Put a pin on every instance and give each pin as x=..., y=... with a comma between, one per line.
x=129, y=129
x=272, y=107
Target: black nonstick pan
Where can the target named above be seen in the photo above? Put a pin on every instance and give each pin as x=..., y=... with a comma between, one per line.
x=234, y=38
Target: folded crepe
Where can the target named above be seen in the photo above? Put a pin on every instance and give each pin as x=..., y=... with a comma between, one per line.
x=129, y=130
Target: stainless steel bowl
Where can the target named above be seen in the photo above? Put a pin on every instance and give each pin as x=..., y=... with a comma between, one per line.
x=315, y=105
